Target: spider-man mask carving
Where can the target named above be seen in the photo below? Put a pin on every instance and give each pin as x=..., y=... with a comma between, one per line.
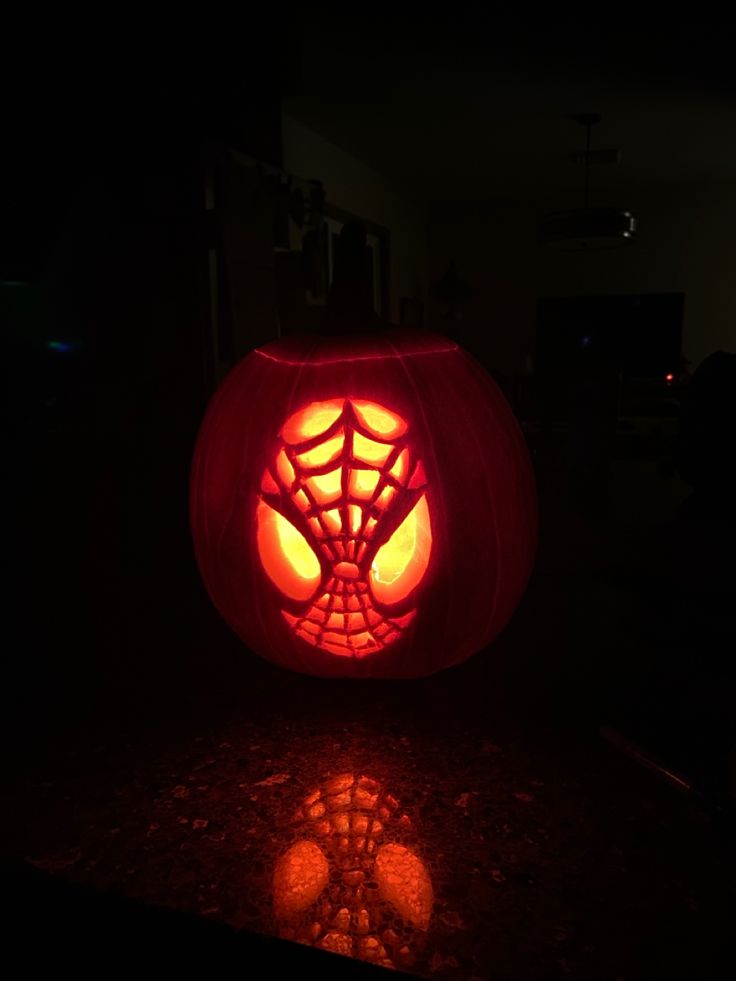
x=343, y=525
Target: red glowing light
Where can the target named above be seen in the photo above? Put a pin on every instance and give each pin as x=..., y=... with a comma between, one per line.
x=669, y=377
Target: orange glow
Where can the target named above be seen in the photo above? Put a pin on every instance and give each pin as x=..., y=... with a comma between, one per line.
x=285, y=469
x=338, y=433
x=363, y=483
x=302, y=501
x=400, y=564
x=419, y=478
x=323, y=453
x=403, y=881
x=378, y=420
x=339, y=784
x=300, y=876
x=360, y=824
x=335, y=647
x=286, y=555
x=347, y=570
x=355, y=516
x=333, y=520
x=310, y=422
x=326, y=487
x=369, y=451
x=354, y=621
x=384, y=498
x=268, y=484
x=400, y=468
x=365, y=798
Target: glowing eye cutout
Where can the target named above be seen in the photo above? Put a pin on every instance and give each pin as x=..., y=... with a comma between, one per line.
x=286, y=555
x=400, y=564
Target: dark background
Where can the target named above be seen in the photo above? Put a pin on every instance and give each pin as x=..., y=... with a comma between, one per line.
x=112, y=350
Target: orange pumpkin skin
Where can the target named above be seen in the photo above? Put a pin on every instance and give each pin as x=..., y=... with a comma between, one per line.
x=363, y=506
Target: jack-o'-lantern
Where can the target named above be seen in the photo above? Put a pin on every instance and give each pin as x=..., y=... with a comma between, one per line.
x=353, y=881
x=363, y=506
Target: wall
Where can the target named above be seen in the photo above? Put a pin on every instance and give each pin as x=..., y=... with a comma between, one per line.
x=686, y=244
x=354, y=187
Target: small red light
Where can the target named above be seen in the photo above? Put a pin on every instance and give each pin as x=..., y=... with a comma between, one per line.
x=669, y=377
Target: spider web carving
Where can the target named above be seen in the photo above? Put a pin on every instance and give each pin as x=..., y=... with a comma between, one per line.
x=346, y=476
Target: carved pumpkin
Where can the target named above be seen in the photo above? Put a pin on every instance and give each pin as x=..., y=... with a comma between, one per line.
x=353, y=883
x=363, y=506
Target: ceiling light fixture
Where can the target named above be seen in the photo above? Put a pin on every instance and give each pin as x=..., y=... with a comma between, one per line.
x=589, y=229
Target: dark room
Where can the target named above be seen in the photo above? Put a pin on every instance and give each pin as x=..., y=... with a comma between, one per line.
x=370, y=413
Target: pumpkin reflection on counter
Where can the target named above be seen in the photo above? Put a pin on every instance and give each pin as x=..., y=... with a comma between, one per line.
x=354, y=883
